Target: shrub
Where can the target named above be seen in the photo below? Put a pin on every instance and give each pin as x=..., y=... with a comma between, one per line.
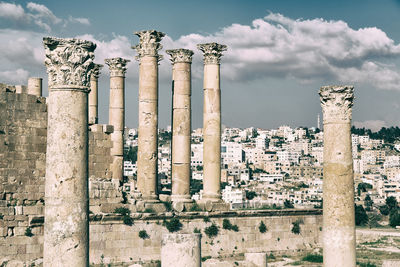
x=384, y=210
x=288, y=204
x=174, y=225
x=367, y=264
x=313, y=258
x=206, y=219
x=262, y=227
x=394, y=218
x=205, y=258
x=195, y=207
x=235, y=228
x=271, y=256
x=226, y=224
x=143, y=234
x=126, y=215
x=167, y=205
x=211, y=231
x=296, y=227
x=361, y=215
x=148, y=210
x=28, y=232
x=196, y=230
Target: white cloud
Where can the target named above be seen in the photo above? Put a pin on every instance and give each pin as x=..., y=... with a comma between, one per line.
x=83, y=21
x=42, y=12
x=374, y=125
x=307, y=50
x=19, y=76
x=11, y=11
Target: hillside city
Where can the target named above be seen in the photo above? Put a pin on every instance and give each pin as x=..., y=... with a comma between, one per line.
x=281, y=168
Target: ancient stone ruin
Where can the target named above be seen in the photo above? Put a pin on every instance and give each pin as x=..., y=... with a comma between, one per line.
x=61, y=173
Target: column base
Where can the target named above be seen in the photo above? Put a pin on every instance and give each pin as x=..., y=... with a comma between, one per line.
x=181, y=198
x=150, y=198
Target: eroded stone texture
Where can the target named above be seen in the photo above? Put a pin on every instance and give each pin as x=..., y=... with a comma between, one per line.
x=34, y=86
x=69, y=64
x=181, y=131
x=338, y=188
x=93, y=95
x=212, y=121
x=117, y=112
x=148, y=58
x=181, y=250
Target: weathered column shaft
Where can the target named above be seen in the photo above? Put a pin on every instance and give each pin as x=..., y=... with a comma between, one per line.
x=148, y=113
x=34, y=86
x=339, y=241
x=181, y=250
x=117, y=113
x=93, y=95
x=181, y=131
x=66, y=230
x=212, y=122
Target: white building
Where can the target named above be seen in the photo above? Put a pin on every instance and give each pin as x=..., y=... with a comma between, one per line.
x=231, y=153
x=233, y=196
x=129, y=168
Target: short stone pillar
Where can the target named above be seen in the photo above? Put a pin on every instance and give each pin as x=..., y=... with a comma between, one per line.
x=34, y=86
x=212, y=122
x=148, y=58
x=339, y=237
x=20, y=89
x=117, y=113
x=181, y=250
x=93, y=95
x=69, y=63
x=181, y=124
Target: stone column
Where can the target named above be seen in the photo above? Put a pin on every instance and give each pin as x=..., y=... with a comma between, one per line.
x=35, y=86
x=93, y=95
x=69, y=63
x=181, y=250
x=339, y=241
x=148, y=58
x=117, y=113
x=181, y=124
x=212, y=122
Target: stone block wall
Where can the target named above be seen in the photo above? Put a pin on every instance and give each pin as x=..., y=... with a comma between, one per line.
x=23, y=123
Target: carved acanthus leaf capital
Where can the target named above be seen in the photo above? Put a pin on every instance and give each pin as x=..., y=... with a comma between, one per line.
x=96, y=71
x=212, y=52
x=117, y=66
x=336, y=102
x=69, y=62
x=180, y=55
x=149, y=44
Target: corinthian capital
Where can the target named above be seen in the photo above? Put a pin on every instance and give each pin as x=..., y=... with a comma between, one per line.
x=69, y=62
x=117, y=66
x=180, y=55
x=149, y=44
x=212, y=52
x=336, y=102
x=96, y=71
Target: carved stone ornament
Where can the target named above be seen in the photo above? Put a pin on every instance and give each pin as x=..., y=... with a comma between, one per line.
x=96, y=71
x=149, y=44
x=212, y=52
x=180, y=55
x=69, y=62
x=117, y=66
x=336, y=102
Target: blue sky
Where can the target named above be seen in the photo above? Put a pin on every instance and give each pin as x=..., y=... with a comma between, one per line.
x=279, y=52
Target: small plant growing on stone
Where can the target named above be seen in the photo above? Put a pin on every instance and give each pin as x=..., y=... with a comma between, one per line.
x=296, y=227
x=235, y=228
x=28, y=232
x=143, y=234
x=206, y=219
x=196, y=230
x=226, y=224
x=1, y=216
x=174, y=225
x=126, y=215
x=149, y=210
x=195, y=207
x=205, y=258
x=211, y=231
x=262, y=227
x=313, y=258
x=167, y=205
x=271, y=256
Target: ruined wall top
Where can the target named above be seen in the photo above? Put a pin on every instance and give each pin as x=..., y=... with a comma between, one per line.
x=212, y=52
x=336, y=102
x=117, y=66
x=149, y=44
x=96, y=71
x=180, y=55
x=69, y=62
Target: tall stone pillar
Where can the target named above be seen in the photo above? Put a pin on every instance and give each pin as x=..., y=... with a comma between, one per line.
x=339, y=242
x=181, y=131
x=34, y=86
x=148, y=58
x=212, y=121
x=93, y=95
x=117, y=113
x=69, y=63
x=181, y=250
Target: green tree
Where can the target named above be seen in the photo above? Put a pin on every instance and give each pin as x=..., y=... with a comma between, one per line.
x=361, y=215
x=131, y=154
x=288, y=204
x=394, y=218
x=391, y=202
x=368, y=202
x=250, y=195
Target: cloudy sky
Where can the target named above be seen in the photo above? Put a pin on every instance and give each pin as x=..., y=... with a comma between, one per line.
x=279, y=52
